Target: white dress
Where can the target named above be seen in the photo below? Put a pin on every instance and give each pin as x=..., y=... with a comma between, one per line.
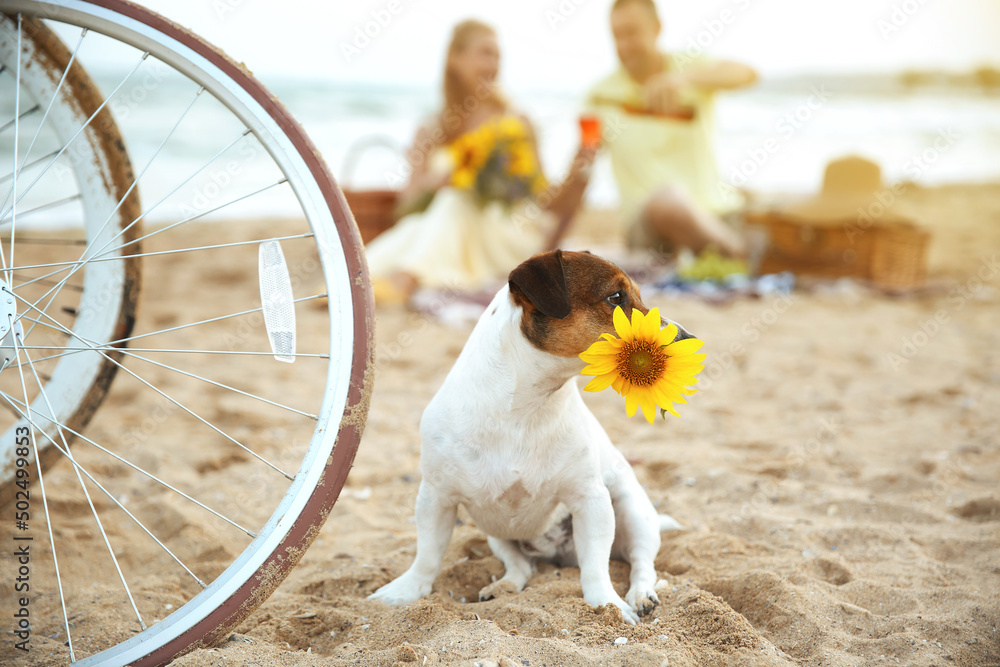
x=458, y=244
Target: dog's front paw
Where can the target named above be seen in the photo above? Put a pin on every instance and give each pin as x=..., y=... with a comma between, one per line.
x=402, y=591
x=643, y=600
x=503, y=587
x=628, y=614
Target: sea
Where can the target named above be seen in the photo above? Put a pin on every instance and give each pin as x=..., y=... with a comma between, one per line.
x=775, y=137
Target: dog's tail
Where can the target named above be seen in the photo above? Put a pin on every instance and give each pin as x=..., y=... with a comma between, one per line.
x=668, y=522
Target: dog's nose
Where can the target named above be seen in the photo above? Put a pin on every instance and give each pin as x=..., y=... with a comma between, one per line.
x=682, y=333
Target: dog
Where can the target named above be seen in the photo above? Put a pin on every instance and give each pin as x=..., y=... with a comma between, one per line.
x=508, y=437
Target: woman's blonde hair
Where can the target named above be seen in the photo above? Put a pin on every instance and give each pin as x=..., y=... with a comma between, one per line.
x=457, y=98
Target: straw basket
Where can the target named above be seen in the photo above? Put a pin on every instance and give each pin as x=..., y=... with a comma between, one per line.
x=854, y=227
x=891, y=255
x=373, y=209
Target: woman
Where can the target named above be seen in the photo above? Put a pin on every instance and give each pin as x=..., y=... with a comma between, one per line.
x=476, y=161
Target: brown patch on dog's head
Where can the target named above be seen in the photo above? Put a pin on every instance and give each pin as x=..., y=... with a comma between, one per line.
x=569, y=299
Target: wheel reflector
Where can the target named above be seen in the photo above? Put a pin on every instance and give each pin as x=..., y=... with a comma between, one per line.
x=277, y=301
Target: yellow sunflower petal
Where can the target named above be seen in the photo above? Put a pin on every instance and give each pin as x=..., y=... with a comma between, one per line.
x=648, y=408
x=590, y=356
x=671, y=410
x=668, y=395
x=638, y=319
x=602, y=347
x=462, y=178
x=651, y=324
x=683, y=358
x=601, y=382
x=680, y=373
x=666, y=335
x=600, y=368
x=631, y=403
x=686, y=346
x=664, y=393
x=618, y=384
x=622, y=325
x=666, y=399
x=681, y=382
x=686, y=358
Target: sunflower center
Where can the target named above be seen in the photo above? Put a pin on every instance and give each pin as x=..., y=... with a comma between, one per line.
x=641, y=363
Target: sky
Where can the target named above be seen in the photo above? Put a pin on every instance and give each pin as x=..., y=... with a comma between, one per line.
x=566, y=44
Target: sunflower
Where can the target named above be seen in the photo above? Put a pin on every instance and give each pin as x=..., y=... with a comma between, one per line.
x=468, y=154
x=644, y=364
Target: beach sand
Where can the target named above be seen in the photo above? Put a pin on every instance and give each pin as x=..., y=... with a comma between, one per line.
x=837, y=477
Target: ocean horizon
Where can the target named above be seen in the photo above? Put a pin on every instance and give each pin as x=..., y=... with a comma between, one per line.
x=772, y=138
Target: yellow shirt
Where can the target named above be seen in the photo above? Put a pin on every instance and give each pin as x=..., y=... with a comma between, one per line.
x=648, y=152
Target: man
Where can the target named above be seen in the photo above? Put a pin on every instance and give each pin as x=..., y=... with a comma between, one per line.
x=658, y=116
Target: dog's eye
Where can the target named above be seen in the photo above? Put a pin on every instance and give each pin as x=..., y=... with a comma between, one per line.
x=617, y=299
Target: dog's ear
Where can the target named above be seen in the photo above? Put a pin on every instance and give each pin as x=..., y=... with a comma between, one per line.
x=541, y=282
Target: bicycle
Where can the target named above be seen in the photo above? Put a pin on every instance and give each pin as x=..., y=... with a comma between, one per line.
x=78, y=247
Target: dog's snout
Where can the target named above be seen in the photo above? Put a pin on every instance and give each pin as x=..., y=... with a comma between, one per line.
x=682, y=333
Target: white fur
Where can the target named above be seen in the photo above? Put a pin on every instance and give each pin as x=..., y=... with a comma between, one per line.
x=509, y=437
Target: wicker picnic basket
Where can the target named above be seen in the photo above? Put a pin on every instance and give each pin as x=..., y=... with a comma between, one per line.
x=854, y=228
x=374, y=209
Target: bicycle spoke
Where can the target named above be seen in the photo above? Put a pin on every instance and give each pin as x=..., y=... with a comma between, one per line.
x=58, y=330
x=64, y=268
x=103, y=257
x=84, y=259
x=41, y=207
x=100, y=486
x=167, y=228
x=142, y=471
x=177, y=251
x=55, y=95
x=73, y=138
x=13, y=121
x=18, y=352
x=83, y=487
x=55, y=290
x=75, y=266
x=115, y=345
x=44, y=281
x=131, y=353
x=128, y=350
x=17, y=134
x=208, y=321
x=25, y=167
x=177, y=403
x=41, y=240
x=45, y=502
x=178, y=187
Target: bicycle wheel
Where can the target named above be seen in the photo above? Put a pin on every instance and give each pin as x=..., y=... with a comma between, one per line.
x=80, y=380
x=197, y=380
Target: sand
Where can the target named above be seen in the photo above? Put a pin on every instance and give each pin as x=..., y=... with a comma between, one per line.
x=837, y=477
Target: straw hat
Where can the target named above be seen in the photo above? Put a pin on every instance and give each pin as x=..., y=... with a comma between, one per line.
x=852, y=190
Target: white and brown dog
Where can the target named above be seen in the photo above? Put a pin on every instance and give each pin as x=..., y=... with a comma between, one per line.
x=509, y=437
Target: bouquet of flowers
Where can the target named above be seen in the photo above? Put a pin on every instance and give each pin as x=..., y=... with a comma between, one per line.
x=496, y=162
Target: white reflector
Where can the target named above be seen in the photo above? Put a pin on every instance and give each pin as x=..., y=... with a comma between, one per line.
x=277, y=301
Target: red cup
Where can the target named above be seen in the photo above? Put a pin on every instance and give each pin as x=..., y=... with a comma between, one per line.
x=590, y=131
